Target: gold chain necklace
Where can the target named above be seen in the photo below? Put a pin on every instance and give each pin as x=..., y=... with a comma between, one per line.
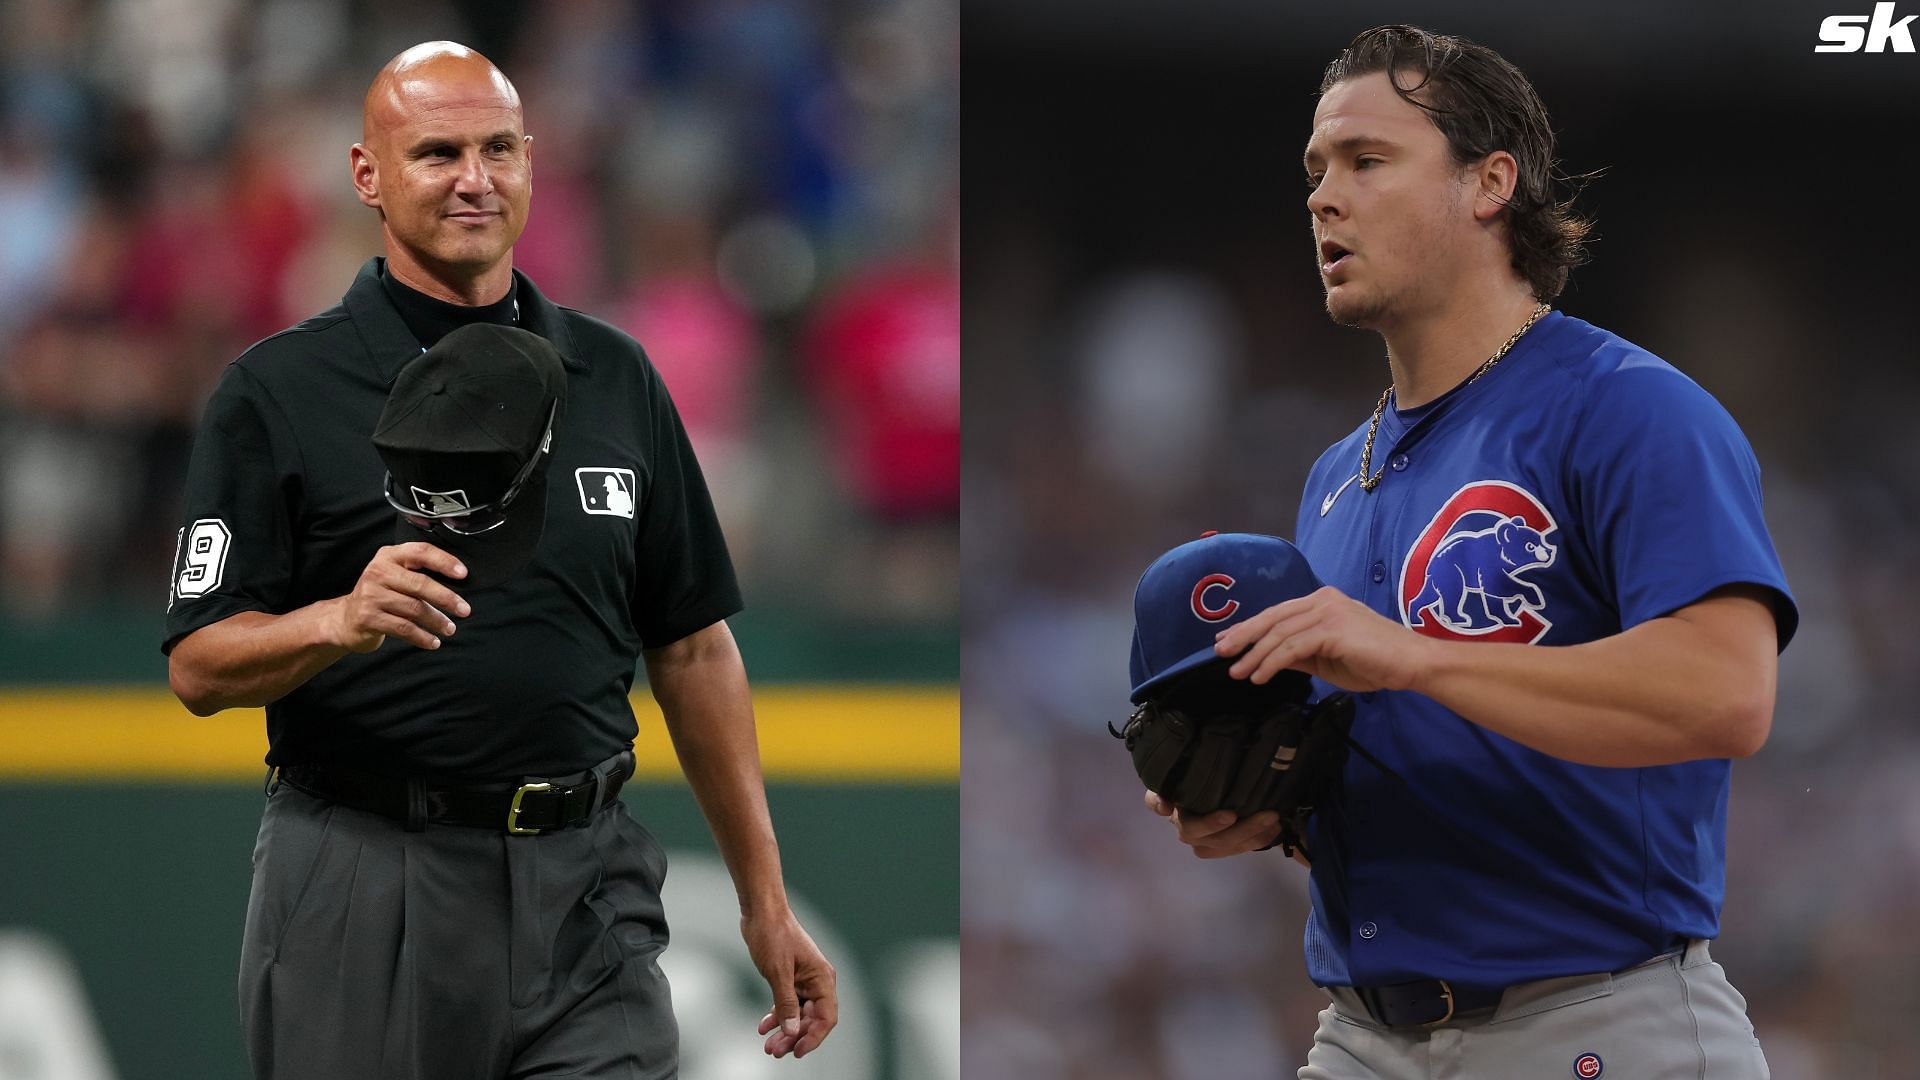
x=1368, y=483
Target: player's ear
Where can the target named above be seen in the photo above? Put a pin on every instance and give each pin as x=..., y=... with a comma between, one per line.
x=1498, y=175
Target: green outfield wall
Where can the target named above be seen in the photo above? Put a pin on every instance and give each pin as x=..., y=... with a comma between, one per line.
x=125, y=852
x=143, y=885
x=127, y=827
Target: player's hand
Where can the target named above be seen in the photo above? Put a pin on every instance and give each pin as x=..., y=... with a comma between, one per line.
x=393, y=599
x=806, y=1000
x=1221, y=834
x=1330, y=635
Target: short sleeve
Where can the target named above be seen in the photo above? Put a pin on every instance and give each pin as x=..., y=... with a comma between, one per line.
x=233, y=550
x=1669, y=490
x=684, y=578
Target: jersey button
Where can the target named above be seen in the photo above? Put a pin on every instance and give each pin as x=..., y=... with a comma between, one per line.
x=1399, y=463
x=1368, y=930
x=1379, y=572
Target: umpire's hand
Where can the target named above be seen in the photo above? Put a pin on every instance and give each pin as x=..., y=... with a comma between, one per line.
x=806, y=999
x=1222, y=834
x=393, y=599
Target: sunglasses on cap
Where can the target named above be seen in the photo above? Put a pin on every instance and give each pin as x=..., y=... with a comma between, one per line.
x=463, y=520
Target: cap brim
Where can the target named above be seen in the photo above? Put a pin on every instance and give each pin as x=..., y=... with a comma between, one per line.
x=1184, y=665
x=1201, y=659
x=496, y=556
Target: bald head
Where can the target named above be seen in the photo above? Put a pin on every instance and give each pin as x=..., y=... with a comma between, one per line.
x=432, y=78
x=446, y=160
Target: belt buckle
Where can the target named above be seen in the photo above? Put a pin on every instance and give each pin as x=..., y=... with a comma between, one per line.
x=513, y=825
x=1446, y=992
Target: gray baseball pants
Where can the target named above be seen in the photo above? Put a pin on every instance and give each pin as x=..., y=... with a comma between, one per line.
x=456, y=953
x=1671, y=1018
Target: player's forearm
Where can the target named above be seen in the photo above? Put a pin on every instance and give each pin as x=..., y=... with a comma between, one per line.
x=701, y=685
x=1666, y=691
x=253, y=658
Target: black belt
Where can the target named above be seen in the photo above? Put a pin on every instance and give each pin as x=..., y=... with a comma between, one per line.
x=1434, y=1001
x=1425, y=1002
x=526, y=807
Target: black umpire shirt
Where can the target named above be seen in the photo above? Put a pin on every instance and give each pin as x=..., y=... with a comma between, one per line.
x=284, y=507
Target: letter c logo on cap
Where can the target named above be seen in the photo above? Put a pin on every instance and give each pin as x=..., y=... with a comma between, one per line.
x=1213, y=614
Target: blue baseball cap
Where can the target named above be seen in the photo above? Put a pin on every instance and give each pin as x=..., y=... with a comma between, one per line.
x=1199, y=589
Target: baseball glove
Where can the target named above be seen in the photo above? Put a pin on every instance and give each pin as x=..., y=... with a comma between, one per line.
x=1283, y=757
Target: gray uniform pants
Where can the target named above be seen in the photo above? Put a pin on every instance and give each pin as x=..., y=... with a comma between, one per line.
x=453, y=954
x=1671, y=1018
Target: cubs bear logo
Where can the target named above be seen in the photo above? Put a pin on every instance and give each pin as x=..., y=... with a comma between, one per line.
x=1462, y=576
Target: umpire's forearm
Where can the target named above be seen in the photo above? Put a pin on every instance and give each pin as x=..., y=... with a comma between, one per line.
x=701, y=685
x=251, y=659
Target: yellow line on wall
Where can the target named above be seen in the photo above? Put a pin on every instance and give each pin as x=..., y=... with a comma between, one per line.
x=818, y=733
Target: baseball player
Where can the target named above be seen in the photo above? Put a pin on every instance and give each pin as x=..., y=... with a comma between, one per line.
x=1552, y=593
x=445, y=884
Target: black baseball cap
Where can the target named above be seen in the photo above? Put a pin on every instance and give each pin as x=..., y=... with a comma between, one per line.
x=467, y=435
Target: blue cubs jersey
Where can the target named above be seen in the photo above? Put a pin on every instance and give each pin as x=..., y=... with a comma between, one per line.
x=1580, y=487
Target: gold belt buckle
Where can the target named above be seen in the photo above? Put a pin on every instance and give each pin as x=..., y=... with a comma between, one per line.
x=513, y=826
x=1445, y=992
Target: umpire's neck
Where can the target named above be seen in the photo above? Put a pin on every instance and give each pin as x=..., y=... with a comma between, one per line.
x=1432, y=351
x=467, y=286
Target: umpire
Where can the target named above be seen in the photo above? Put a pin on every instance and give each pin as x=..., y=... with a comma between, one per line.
x=445, y=882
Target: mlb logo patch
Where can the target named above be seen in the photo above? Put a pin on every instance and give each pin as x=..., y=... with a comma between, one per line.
x=440, y=502
x=606, y=491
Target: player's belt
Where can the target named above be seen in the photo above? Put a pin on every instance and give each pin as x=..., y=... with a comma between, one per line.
x=1425, y=1002
x=524, y=807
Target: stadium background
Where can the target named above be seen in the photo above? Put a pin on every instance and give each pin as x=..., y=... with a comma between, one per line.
x=765, y=192
x=1145, y=324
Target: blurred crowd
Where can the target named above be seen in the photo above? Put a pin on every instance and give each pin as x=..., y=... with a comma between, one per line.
x=763, y=192
x=1160, y=364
